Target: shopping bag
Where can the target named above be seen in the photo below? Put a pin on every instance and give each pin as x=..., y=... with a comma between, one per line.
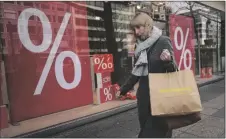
x=175, y=122
x=174, y=93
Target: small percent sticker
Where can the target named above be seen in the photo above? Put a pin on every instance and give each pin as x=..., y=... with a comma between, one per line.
x=107, y=94
x=101, y=64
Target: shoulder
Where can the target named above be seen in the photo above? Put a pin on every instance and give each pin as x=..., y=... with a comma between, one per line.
x=164, y=42
x=164, y=38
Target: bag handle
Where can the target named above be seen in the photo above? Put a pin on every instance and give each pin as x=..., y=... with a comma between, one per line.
x=172, y=62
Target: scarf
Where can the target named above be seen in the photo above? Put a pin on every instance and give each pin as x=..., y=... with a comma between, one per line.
x=141, y=65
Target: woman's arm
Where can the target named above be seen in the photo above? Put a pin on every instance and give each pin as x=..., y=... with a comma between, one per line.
x=170, y=65
x=129, y=84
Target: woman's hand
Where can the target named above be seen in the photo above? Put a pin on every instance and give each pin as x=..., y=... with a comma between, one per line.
x=128, y=95
x=165, y=56
x=118, y=94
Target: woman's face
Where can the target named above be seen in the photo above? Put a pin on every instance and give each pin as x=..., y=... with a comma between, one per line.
x=141, y=32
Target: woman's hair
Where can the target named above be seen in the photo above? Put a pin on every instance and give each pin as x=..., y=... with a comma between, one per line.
x=141, y=19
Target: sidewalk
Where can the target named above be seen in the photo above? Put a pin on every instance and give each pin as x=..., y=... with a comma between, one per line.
x=126, y=124
x=213, y=115
x=58, y=122
x=212, y=123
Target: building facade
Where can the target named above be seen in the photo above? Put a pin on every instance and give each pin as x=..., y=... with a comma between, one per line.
x=80, y=30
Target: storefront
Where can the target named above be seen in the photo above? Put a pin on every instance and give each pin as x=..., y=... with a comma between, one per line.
x=209, y=24
x=53, y=51
x=209, y=30
x=45, y=68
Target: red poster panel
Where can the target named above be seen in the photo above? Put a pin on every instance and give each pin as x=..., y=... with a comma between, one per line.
x=46, y=72
x=103, y=63
x=107, y=94
x=182, y=35
x=1, y=94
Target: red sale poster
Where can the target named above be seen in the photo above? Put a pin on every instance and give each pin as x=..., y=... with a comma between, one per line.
x=105, y=94
x=103, y=63
x=45, y=71
x=182, y=35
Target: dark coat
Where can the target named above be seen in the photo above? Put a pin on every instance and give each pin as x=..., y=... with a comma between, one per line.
x=150, y=126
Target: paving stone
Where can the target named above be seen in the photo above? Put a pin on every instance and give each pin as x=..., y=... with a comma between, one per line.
x=210, y=92
x=135, y=125
x=222, y=136
x=220, y=113
x=208, y=111
x=216, y=103
x=203, y=130
x=213, y=121
x=176, y=132
x=189, y=126
x=203, y=116
x=116, y=133
x=59, y=136
x=186, y=135
x=98, y=129
x=185, y=128
x=84, y=132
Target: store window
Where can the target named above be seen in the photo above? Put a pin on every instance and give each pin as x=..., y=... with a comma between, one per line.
x=208, y=30
x=207, y=24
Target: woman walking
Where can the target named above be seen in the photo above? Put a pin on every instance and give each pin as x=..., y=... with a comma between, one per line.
x=153, y=54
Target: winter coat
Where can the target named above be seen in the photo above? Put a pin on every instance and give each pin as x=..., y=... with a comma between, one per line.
x=155, y=64
x=151, y=127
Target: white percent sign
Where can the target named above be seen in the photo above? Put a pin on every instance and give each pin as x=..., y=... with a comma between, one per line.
x=182, y=46
x=107, y=94
x=47, y=37
x=101, y=64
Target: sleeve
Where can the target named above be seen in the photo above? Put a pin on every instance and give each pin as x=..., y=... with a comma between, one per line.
x=128, y=85
x=171, y=65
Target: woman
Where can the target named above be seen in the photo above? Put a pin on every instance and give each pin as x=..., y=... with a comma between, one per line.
x=154, y=54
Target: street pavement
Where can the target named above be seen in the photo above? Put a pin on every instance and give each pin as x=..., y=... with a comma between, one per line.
x=126, y=125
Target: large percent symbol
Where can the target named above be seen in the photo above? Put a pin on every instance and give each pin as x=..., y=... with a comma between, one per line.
x=47, y=38
x=107, y=94
x=101, y=64
x=182, y=46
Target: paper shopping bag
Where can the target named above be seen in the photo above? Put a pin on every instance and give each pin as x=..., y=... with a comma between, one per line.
x=174, y=93
x=175, y=122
